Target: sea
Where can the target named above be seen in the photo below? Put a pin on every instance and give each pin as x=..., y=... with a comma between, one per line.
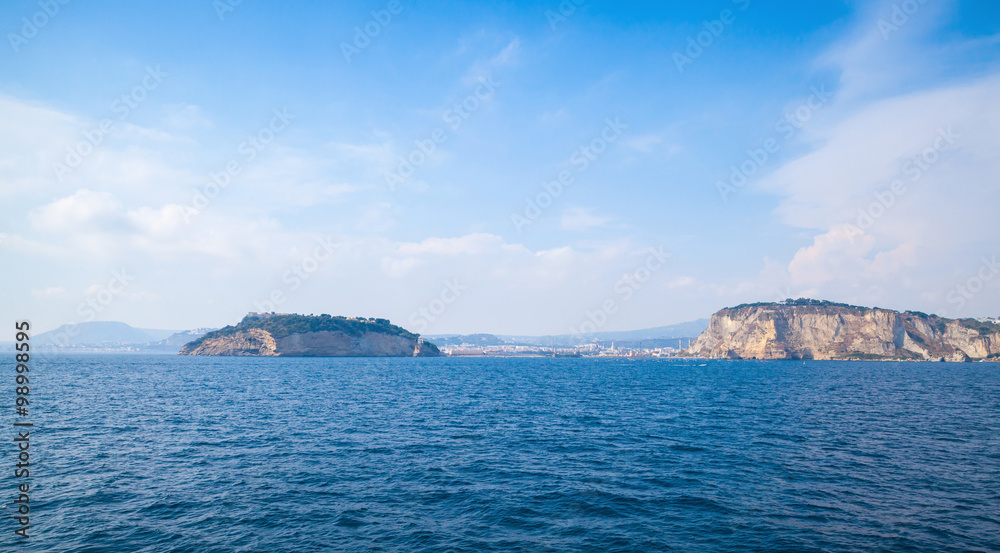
x=161, y=453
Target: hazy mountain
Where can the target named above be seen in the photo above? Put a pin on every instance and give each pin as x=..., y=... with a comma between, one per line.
x=691, y=329
x=99, y=333
x=114, y=335
x=686, y=331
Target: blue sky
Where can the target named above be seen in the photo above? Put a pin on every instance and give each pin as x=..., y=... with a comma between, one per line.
x=646, y=110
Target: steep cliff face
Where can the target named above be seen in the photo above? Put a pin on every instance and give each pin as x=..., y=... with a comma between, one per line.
x=300, y=336
x=250, y=342
x=833, y=331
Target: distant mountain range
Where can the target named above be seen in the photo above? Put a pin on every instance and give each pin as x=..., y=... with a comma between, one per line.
x=100, y=333
x=118, y=336
x=668, y=335
x=113, y=336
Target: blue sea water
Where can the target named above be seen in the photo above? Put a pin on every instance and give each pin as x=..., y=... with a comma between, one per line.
x=201, y=454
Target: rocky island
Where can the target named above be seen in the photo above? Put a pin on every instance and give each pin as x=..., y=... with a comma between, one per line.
x=813, y=329
x=287, y=335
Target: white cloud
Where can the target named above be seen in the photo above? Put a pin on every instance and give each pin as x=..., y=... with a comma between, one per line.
x=186, y=116
x=582, y=219
x=146, y=165
x=916, y=175
x=287, y=177
x=864, y=152
x=82, y=212
x=399, y=267
x=554, y=118
x=832, y=256
x=44, y=151
x=509, y=54
x=505, y=266
x=875, y=60
x=681, y=282
x=644, y=143
x=30, y=136
x=483, y=69
x=90, y=223
x=52, y=292
x=470, y=244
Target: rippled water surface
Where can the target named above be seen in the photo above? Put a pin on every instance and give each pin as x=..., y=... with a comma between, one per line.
x=169, y=454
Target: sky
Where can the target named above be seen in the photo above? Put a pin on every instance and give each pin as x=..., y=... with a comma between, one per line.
x=505, y=167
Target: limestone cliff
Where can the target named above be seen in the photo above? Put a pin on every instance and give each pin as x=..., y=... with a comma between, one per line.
x=307, y=336
x=809, y=329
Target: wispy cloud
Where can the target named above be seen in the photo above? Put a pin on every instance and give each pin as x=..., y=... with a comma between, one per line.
x=582, y=219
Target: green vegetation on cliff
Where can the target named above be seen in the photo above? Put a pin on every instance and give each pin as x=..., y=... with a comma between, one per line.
x=800, y=303
x=282, y=325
